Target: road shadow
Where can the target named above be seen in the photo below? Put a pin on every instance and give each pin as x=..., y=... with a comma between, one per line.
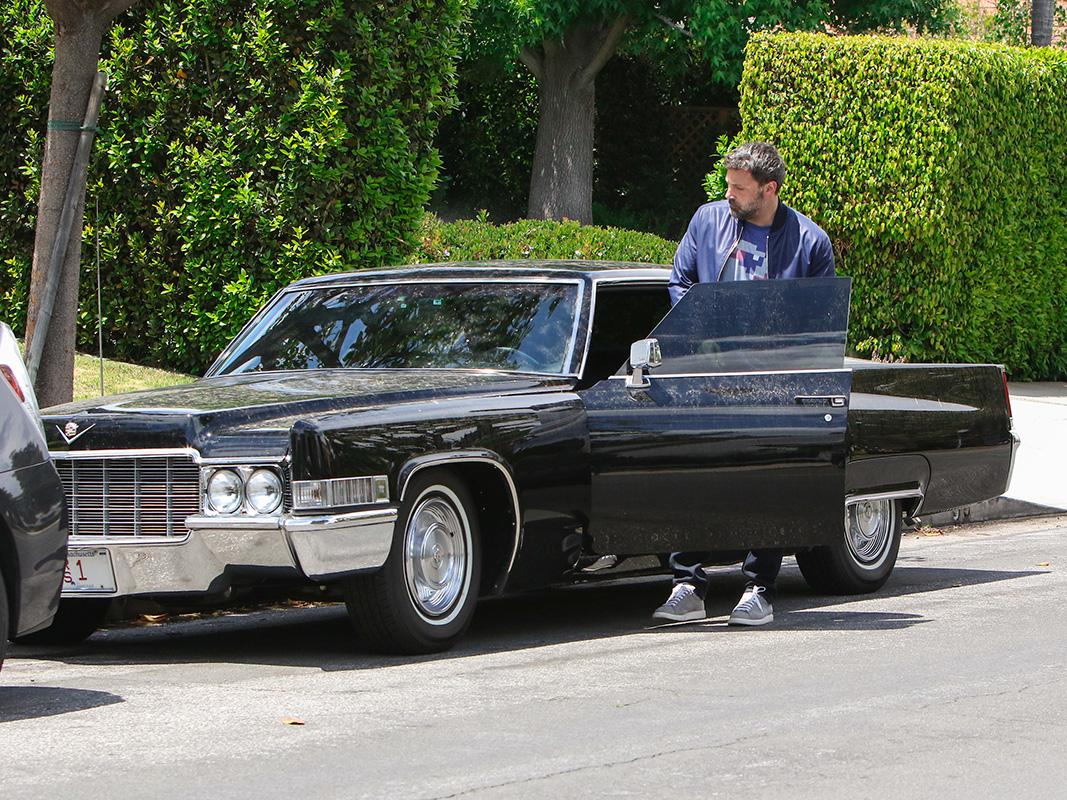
x=321, y=636
x=33, y=702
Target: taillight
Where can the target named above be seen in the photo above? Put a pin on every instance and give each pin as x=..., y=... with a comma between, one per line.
x=1007, y=396
x=14, y=373
x=12, y=381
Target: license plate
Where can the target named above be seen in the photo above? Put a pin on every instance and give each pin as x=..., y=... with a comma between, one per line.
x=88, y=570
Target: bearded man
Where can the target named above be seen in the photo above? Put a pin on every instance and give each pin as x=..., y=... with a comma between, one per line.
x=751, y=235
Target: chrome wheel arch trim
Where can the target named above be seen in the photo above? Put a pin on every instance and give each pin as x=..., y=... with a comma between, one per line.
x=414, y=465
x=898, y=494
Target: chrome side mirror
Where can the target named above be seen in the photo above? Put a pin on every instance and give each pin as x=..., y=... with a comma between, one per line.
x=644, y=354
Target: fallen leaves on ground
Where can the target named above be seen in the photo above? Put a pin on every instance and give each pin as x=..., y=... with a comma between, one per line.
x=292, y=721
x=1044, y=564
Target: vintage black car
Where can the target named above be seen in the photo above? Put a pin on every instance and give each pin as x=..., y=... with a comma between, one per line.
x=33, y=531
x=416, y=438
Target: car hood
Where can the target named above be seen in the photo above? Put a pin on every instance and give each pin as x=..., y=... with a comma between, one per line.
x=233, y=414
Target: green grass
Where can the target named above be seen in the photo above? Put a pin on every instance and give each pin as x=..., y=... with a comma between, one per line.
x=119, y=377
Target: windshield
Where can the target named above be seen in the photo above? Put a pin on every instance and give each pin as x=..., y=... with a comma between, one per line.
x=527, y=327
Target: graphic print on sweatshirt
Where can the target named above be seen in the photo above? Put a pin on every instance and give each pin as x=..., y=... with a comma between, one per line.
x=749, y=260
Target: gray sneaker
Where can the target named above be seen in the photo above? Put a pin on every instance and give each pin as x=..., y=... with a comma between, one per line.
x=684, y=605
x=753, y=608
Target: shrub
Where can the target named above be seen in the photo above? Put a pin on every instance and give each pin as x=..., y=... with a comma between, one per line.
x=476, y=240
x=939, y=169
x=242, y=145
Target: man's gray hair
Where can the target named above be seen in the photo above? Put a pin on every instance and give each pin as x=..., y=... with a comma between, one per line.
x=762, y=159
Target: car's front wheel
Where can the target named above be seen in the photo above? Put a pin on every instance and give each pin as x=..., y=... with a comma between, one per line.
x=862, y=559
x=423, y=597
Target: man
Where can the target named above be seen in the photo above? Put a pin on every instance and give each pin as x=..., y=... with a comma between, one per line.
x=751, y=235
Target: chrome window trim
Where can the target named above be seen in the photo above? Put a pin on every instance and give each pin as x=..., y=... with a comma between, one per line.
x=533, y=280
x=479, y=370
x=443, y=459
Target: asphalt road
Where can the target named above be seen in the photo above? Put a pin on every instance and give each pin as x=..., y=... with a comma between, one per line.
x=948, y=683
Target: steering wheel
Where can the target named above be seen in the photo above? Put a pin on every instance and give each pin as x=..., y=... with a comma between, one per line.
x=524, y=360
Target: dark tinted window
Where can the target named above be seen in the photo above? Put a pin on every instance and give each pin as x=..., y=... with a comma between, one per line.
x=623, y=315
x=512, y=326
x=756, y=326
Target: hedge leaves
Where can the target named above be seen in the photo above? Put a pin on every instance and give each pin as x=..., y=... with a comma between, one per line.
x=242, y=145
x=939, y=169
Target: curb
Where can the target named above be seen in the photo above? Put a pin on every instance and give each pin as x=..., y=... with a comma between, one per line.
x=990, y=510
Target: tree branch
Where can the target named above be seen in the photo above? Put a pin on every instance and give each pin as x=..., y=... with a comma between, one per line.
x=532, y=60
x=670, y=23
x=607, y=49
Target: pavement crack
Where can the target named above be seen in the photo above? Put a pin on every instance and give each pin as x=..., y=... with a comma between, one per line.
x=601, y=765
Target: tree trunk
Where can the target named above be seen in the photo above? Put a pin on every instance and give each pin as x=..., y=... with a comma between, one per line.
x=1041, y=22
x=561, y=184
x=80, y=27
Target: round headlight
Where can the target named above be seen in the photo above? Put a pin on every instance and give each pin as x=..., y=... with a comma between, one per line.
x=224, y=491
x=264, y=491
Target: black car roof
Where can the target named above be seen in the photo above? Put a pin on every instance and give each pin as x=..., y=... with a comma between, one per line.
x=572, y=269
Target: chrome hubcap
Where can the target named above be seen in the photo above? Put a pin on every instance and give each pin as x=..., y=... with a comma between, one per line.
x=868, y=529
x=436, y=556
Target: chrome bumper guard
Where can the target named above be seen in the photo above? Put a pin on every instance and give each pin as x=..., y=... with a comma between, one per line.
x=321, y=547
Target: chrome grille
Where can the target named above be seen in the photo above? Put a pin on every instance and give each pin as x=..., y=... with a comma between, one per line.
x=130, y=495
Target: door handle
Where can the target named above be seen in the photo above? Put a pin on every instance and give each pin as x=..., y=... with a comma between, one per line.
x=832, y=400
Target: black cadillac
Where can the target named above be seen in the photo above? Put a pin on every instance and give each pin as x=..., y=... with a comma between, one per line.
x=419, y=437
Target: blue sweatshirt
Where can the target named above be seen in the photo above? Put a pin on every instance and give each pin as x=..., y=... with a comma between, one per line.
x=796, y=247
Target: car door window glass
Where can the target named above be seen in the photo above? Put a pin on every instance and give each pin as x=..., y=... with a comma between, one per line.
x=756, y=326
x=622, y=315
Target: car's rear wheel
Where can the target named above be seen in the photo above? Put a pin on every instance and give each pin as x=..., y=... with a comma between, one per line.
x=423, y=597
x=863, y=558
x=75, y=621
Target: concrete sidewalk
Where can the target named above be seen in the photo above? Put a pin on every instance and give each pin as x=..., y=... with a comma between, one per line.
x=1039, y=480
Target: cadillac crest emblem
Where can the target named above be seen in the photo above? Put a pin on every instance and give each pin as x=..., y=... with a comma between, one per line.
x=70, y=431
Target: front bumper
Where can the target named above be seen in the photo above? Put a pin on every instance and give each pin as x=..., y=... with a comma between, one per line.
x=217, y=551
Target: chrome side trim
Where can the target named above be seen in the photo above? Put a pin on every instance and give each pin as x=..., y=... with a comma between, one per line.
x=481, y=456
x=335, y=545
x=736, y=374
x=902, y=494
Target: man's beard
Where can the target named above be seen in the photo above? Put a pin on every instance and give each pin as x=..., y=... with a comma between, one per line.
x=745, y=213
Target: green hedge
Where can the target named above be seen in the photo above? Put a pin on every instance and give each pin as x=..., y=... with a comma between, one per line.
x=475, y=240
x=939, y=169
x=243, y=144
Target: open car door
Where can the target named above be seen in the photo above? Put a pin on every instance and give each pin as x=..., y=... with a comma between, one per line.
x=737, y=438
